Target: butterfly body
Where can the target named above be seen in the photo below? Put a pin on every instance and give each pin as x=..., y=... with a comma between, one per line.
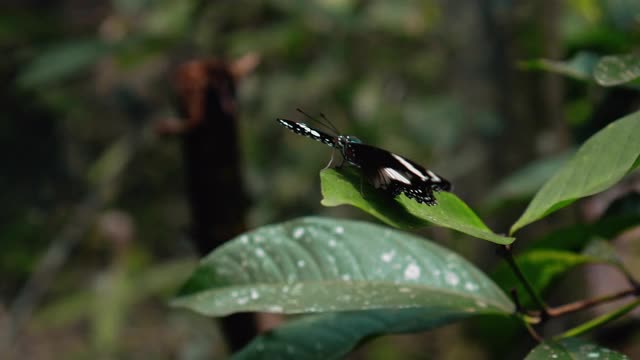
x=382, y=169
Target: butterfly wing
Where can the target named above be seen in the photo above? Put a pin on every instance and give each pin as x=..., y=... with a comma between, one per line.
x=394, y=173
x=305, y=130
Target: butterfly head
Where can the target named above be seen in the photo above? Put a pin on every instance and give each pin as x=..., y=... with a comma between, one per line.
x=343, y=140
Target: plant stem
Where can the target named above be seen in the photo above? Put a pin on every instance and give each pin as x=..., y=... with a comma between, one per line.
x=601, y=320
x=507, y=254
x=584, y=304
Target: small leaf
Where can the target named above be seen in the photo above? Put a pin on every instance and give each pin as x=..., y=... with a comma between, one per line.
x=573, y=349
x=344, y=188
x=541, y=267
x=578, y=67
x=333, y=335
x=600, y=320
x=617, y=69
x=599, y=163
x=318, y=265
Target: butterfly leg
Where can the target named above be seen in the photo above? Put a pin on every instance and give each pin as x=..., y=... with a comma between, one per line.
x=330, y=161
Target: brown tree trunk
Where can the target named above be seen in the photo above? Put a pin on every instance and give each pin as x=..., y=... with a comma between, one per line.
x=207, y=106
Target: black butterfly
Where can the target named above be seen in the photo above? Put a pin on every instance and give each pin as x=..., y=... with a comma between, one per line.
x=382, y=169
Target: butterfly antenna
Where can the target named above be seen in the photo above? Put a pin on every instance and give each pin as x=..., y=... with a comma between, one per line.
x=330, y=123
x=332, y=128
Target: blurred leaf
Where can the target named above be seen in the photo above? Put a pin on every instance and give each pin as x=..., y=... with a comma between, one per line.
x=169, y=18
x=599, y=163
x=343, y=188
x=61, y=61
x=580, y=66
x=110, y=307
x=617, y=69
x=318, y=264
x=602, y=250
x=524, y=183
x=574, y=237
x=159, y=280
x=111, y=162
x=578, y=112
x=333, y=335
x=541, y=267
x=408, y=18
x=600, y=321
x=573, y=349
x=623, y=14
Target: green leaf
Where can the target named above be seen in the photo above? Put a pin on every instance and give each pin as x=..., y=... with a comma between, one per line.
x=599, y=163
x=344, y=188
x=617, y=69
x=319, y=265
x=333, y=335
x=600, y=320
x=541, y=267
x=579, y=67
x=573, y=349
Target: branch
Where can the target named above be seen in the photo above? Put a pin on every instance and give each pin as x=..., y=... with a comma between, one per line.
x=599, y=321
x=506, y=252
x=585, y=304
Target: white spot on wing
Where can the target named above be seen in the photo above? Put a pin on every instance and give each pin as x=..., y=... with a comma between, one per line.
x=409, y=167
x=396, y=175
x=434, y=177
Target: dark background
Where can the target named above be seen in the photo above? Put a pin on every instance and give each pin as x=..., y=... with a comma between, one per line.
x=95, y=229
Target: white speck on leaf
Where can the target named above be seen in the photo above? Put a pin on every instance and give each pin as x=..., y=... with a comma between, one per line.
x=254, y=294
x=297, y=233
x=471, y=286
x=339, y=230
x=259, y=252
x=346, y=277
x=332, y=242
x=412, y=272
x=451, y=278
x=301, y=263
x=388, y=256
